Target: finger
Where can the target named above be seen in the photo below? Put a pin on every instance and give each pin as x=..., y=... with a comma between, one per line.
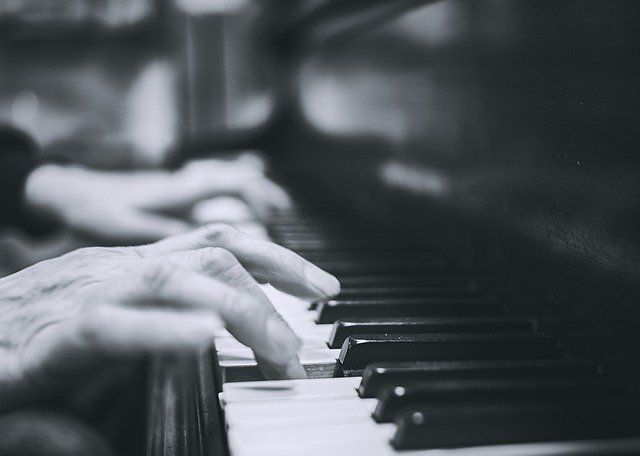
x=75, y=346
x=119, y=331
x=221, y=209
x=266, y=261
x=196, y=181
x=221, y=264
x=252, y=159
x=246, y=318
x=264, y=196
x=130, y=226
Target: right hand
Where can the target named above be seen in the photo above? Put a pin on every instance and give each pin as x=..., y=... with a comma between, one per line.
x=63, y=317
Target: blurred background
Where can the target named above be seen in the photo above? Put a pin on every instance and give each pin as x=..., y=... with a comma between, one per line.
x=503, y=130
x=502, y=133
x=128, y=85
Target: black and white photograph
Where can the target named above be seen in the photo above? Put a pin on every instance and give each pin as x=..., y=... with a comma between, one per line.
x=319, y=227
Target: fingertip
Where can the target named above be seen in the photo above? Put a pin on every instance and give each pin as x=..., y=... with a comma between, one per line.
x=325, y=284
x=294, y=369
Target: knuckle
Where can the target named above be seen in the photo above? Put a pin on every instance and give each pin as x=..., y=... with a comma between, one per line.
x=248, y=308
x=90, y=327
x=156, y=275
x=217, y=260
x=221, y=234
x=220, y=256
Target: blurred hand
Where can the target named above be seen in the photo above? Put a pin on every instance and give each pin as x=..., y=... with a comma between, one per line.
x=64, y=317
x=137, y=206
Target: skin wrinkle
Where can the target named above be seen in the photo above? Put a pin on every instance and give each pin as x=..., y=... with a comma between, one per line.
x=66, y=315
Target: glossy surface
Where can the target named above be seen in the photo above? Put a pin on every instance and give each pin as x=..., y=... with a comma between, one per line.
x=358, y=351
x=379, y=375
x=506, y=131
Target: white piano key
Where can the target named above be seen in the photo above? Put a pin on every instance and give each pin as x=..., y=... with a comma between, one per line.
x=303, y=316
x=285, y=303
x=323, y=388
x=308, y=341
x=276, y=413
x=359, y=433
x=377, y=448
x=301, y=327
x=307, y=327
x=245, y=358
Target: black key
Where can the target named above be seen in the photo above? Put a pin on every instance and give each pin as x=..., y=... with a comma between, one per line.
x=372, y=258
x=378, y=375
x=335, y=309
x=358, y=351
x=382, y=266
x=390, y=292
x=401, y=280
x=351, y=326
x=323, y=245
x=400, y=292
x=470, y=425
x=394, y=399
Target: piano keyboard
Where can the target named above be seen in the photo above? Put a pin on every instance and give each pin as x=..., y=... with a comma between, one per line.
x=416, y=356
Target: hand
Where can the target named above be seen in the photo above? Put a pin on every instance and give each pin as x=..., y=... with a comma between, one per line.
x=63, y=317
x=133, y=207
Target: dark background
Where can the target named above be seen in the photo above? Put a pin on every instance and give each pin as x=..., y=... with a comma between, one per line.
x=504, y=132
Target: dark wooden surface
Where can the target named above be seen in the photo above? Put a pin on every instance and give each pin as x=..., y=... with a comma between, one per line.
x=184, y=417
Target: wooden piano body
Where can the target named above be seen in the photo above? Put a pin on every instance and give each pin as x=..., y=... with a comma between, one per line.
x=500, y=133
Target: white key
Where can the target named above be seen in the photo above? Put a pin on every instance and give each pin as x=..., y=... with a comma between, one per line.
x=302, y=316
x=376, y=448
x=285, y=303
x=308, y=341
x=280, y=441
x=240, y=365
x=285, y=390
x=308, y=327
x=245, y=357
x=300, y=327
x=268, y=413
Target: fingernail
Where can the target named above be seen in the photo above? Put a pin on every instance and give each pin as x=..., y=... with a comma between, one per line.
x=323, y=282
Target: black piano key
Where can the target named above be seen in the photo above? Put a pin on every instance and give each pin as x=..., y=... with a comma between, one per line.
x=382, y=266
x=320, y=246
x=399, y=292
x=431, y=427
x=351, y=326
x=358, y=351
x=335, y=309
x=394, y=399
x=402, y=280
x=378, y=375
x=388, y=292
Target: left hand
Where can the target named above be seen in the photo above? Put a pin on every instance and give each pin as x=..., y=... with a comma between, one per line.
x=63, y=318
x=133, y=207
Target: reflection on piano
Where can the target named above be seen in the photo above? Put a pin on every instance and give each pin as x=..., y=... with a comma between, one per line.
x=468, y=170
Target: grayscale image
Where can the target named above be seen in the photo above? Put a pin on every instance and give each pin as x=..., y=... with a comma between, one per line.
x=319, y=227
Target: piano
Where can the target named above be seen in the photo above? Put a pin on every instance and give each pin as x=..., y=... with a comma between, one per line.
x=470, y=172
